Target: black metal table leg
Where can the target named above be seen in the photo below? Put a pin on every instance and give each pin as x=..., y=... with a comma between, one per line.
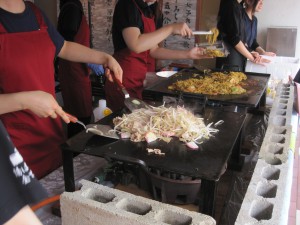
x=209, y=189
x=68, y=167
x=236, y=161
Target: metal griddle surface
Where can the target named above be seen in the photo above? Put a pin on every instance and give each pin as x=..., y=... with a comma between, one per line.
x=255, y=85
x=208, y=162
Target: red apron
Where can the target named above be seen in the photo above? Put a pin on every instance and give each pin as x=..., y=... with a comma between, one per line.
x=74, y=79
x=134, y=67
x=27, y=65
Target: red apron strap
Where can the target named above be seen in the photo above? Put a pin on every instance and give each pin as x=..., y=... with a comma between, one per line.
x=2, y=29
x=140, y=9
x=38, y=15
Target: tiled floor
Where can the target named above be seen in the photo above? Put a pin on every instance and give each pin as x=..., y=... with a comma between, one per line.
x=294, y=213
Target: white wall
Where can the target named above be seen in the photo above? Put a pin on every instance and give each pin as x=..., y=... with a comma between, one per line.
x=279, y=13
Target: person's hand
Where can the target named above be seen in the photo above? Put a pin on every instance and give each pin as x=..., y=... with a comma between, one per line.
x=264, y=60
x=181, y=29
x=112, y=66
x=260, y=60
x=43, y=105
x=198, y=53
x=255, y=55
x=270, y=54
x=96, y=68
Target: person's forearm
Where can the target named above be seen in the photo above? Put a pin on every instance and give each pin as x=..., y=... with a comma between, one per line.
x=163, y=53
x=142, y=42
x=79, y=53
x=10, y=103
x=260, y=50
x=241, y=48
x=24, y=217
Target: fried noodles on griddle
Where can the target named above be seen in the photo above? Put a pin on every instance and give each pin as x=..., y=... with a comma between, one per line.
x=215, y=84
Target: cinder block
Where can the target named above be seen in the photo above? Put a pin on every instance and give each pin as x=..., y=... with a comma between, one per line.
x=276, y=144
x=282, y=108
x=95, y=204
x=285, y=91
x=268, y=195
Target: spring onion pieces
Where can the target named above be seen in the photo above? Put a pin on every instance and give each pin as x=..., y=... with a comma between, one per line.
x=164, y=122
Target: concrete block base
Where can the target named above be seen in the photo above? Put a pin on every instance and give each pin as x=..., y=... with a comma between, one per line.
x=95, y=204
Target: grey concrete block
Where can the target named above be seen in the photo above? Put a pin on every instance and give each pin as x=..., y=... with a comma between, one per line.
x=267, y=198
x=268, y=195
x=276, y=144
x=282, y=108
x=284, y=90
x=281, y=112
x=96, y=204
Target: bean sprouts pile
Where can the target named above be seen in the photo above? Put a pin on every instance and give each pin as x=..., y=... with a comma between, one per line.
x=163, y=123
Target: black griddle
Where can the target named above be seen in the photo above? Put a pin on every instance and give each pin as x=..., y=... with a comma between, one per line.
x=255, y=86
x=208, y=162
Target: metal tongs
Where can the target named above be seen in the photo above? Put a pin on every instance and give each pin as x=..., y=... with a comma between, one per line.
x=202, y=32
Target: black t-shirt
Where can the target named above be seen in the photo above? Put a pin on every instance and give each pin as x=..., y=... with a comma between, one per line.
x=230, y=22
x=18, y=186
x=26, y=21
x=126, y=14
x=69, y=19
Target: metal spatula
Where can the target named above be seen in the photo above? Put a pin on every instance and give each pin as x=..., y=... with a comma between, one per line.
x=130, y=102
x=99, y=129
x=74, y=119
x=102, y=130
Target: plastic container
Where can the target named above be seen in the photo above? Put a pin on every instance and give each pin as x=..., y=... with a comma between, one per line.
x=101, y=111
x=280, y=67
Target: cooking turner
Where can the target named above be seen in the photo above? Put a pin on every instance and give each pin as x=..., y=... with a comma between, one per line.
x=130, y=102
x=74, y=119
x=102, y=130
x=99, y=129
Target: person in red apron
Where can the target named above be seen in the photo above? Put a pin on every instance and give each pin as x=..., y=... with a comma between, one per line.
x=28, y=109
x=136, y=40
x=74, y=77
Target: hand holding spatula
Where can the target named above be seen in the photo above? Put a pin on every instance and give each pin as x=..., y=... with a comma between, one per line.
x=99, y=129
x=130, y=102
x=74, y=119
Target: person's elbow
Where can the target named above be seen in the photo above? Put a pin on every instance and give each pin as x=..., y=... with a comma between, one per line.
x=234, y=41
x=63, y=50
x=136, y=49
